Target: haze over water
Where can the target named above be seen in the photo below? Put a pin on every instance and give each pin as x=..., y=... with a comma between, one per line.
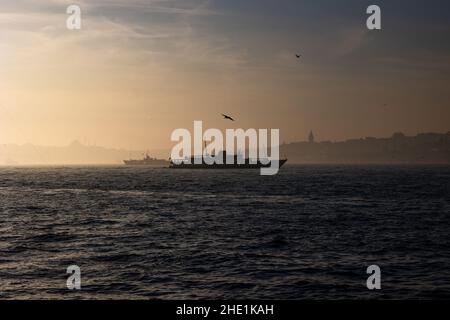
x=137, y=69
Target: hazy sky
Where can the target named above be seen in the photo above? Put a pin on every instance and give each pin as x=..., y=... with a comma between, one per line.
x=139, y=69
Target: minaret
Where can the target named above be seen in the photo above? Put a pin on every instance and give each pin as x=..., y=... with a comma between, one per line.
x=311, y=137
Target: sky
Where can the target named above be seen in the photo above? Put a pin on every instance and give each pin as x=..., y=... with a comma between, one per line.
x=137, y=70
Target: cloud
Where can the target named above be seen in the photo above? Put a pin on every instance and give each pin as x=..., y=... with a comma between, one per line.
x=350, y=40
x=167, y=31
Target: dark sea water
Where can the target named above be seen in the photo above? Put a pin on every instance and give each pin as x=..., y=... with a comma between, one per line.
x=152, y=233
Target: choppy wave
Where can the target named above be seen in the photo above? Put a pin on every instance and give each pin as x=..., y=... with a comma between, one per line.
x=309, y=232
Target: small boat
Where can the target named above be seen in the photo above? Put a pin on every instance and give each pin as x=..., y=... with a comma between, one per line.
x=147, y=161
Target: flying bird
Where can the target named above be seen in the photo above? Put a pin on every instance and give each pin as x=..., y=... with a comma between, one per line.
x=298, y=56
x=227, y=117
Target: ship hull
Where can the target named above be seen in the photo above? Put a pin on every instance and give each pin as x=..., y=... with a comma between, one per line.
x=146, y=163
x=224, y=166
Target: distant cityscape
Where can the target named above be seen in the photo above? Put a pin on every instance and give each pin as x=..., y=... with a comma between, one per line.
x=424, y=148
x=75, y=153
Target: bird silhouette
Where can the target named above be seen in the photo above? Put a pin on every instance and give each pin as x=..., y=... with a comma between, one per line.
x=298, y=56
x=227, y=117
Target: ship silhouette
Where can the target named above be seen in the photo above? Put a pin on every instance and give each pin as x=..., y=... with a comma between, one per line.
x=229, y=162
x=146, y=161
